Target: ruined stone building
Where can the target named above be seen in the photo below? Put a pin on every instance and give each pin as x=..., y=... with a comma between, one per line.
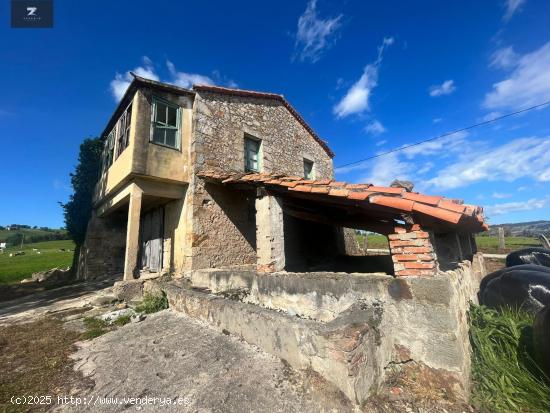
x=232, y=189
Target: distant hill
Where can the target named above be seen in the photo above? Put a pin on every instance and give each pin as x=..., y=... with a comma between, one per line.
x=15, y=234
x=526, y=229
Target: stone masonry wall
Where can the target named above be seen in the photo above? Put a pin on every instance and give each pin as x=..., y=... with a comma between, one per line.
x=223, y=219
x=103, y=250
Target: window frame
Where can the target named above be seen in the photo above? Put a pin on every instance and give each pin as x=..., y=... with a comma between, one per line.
x=123, y=126
x=165, y=126
x=250, y=138
x=312, y=171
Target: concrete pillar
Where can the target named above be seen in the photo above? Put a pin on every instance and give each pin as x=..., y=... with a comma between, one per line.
x=270, y=240
x=132, y=233
x=412, y=252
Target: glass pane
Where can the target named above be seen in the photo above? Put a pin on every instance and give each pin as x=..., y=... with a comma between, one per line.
x=158, y=135
x=160, y=116
x=171, y=138
x=172, y=116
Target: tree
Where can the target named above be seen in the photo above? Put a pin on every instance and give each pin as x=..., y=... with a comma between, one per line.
x=78, y=209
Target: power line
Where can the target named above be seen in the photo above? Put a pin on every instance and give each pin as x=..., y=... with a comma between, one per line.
x=401, y=148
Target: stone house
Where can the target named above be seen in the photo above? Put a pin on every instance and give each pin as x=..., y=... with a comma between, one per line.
x=233, y=189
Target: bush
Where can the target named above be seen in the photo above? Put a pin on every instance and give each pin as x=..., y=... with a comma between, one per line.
x=505, y=375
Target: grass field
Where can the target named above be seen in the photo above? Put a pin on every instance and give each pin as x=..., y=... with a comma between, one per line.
x=14, y=269
x=484, y=243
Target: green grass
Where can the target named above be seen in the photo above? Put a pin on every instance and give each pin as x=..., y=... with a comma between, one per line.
x=122, y=320
x=152, y=303
x=488, y=243
x=485, y=243
x=95, y=327
x=14, y=269
x=505, y=376
x=375, y=241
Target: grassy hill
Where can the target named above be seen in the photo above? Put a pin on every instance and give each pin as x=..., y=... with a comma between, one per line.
x=14, y=269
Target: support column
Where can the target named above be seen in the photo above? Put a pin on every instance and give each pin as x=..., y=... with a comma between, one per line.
x=412, y=252
x=270, y=241
x=132, y=233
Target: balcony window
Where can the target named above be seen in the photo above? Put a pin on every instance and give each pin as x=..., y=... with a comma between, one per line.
x=165, y=124
x=123, y=130
x=109, y=150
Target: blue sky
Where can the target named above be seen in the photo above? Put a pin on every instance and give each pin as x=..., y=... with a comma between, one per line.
x=367, y=76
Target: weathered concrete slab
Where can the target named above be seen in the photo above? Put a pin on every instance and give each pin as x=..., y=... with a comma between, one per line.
x=170, y=355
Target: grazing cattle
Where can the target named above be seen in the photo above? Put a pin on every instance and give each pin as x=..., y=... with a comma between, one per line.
x=523, y=286
x=538, y=256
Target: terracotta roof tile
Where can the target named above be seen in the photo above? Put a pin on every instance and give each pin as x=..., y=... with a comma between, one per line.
x=359, y=196
x=397, y=200
x=439, y=213
x=425, y=199
x=386, y=189
x=339, y=192
x=302, y=188
x=392, y=202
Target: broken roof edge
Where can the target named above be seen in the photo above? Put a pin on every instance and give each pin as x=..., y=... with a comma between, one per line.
x=267, y=95
x=397, y=200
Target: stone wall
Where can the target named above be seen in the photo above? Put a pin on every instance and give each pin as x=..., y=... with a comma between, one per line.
x=222, y=121
x=103, y=250
x=421, y=320
x=223, y=232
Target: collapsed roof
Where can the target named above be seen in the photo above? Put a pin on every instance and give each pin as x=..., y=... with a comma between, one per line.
x=362, y=206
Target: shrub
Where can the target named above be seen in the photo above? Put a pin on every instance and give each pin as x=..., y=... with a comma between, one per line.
x=95, y=327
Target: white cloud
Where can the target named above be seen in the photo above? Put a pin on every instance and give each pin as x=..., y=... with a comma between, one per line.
x=186, y=80
x=446, y=88
x=527, y=85
x=426, y=167
x=507, y=207
x=121, y=81
x=490, y=116
x=448, y=144
x=519, y=158
x=512, y=6
x=436, y=120
x=382, y=142
x=500, y=195
x=375, y=128
x=387, y=168
x=504, y=58
x=314, y=34
x=356, y=100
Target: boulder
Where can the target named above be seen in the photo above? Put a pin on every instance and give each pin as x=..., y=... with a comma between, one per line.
x=55, y=275
x=538, y=256
x=541, y=338
x=128, y=290
x=526, y=286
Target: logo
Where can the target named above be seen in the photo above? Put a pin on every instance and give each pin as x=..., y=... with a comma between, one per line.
x=31, y=14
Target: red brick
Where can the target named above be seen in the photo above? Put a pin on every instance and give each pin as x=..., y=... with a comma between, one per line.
x=417, y=250
x=394, y=244
x=408, y=273
x=393, y=237
x=406, y=257
x=399, y=230
x=422, y=234
x=416, y=227
x=419, y=265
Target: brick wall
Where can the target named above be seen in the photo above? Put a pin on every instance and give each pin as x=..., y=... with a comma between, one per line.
x=412, y=252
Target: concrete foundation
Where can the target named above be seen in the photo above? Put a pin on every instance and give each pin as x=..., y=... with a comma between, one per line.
x=347, y=327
